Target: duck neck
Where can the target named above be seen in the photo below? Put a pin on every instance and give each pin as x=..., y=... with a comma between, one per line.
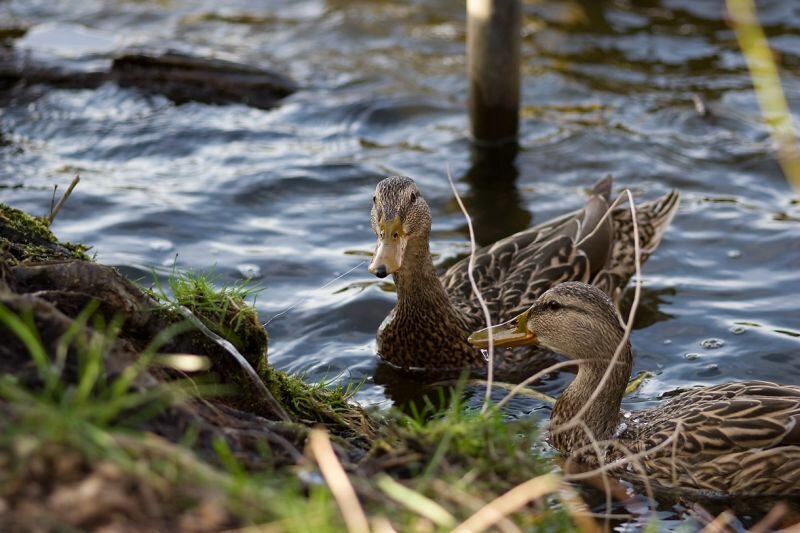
x=425, y=330
x=417, y=283
x=602, y=415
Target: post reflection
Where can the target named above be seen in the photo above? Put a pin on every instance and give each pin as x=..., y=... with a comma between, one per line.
x=493, y=201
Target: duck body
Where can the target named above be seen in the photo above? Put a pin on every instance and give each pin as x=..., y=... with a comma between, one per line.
x=728, y=441
x=434, y=315
x=739, y=439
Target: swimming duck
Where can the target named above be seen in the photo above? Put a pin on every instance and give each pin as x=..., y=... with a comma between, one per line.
x=732, y=440
x=434, y=315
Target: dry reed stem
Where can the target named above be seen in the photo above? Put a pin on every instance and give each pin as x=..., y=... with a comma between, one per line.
x=54, y=211
x=249, y=371
x=767, y=85
x=416, y=502
x=477, y=292
x=516, y=390
x=343, y=492
x=530, y=393
x=510, y=502
x=631, y=459
x=578, y=510
x=467, y=500
x=720, y=523
x=381, y=524
x=578, y=419
x=771, y=519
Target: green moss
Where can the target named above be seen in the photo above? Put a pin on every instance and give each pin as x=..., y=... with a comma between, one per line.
x=456, y=439
x=25, y=223
x=223, y=310
x=318, y=403
x=29, y=238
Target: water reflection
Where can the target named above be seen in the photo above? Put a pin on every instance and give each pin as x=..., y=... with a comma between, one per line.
x=412, y=392
x=493, y=200
x=648, y=312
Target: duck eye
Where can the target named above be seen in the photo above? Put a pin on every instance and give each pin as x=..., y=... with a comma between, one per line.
x=373, y=199
x=552, y=305
x=413, y=197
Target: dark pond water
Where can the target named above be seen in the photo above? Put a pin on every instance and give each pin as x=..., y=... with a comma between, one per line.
x=284, y=195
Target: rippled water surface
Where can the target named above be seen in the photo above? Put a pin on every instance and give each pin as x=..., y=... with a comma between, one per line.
x=284, y=195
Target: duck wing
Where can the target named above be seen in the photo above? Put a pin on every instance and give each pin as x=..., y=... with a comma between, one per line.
x=732, y=439
x=578, y=246
x=725, y=419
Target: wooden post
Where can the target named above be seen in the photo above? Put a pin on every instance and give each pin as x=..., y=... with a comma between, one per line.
x=493, y=59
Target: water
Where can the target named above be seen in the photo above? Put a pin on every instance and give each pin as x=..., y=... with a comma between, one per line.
x=285, y=194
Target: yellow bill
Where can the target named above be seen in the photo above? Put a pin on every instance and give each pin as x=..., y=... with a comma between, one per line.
x=388, y=256
x=512, y=333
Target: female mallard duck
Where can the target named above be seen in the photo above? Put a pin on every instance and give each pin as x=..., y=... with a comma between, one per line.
x=731, y=440
x=434, y=316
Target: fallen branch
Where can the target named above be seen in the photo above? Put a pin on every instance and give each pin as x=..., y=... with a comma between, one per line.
x=509, y=502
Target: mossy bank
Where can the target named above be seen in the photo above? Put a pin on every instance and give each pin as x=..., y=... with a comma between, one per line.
x=157, y=409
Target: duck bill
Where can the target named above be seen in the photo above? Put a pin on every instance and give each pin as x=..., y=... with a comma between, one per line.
x=511, y=333
x=391, y=249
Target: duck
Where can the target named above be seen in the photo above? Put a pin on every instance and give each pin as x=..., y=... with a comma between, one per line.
x=434, y=315
x=732, y=440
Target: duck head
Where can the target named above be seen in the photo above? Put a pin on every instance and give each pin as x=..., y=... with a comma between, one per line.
x=572, y=318
x=400, y=219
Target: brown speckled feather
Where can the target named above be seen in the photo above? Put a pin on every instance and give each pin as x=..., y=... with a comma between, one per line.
x=735, y=439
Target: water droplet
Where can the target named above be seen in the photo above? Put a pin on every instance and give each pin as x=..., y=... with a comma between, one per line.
x=161, y=245
x=691, y=356
x=311, y=478
x=737, y=330
x=734, y=254
x=712, y=344
x=249, y=270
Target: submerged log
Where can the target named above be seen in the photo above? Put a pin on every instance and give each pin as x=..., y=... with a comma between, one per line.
x=180, y=77
x=184, y=78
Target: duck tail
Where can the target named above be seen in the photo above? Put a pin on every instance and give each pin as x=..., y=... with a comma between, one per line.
x=603, y=187
x=652, y=218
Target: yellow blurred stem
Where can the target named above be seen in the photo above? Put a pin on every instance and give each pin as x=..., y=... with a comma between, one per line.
x=767, y=85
